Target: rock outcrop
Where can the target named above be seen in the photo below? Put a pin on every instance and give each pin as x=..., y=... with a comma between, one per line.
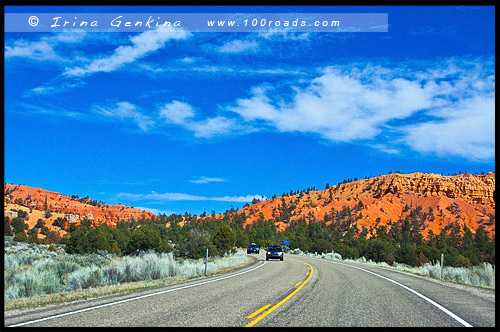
x=468, y=199
x=73, y=209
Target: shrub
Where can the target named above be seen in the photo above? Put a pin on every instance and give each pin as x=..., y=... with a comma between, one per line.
x=34, y=282
x=21, y=237
x=32, y=270
x=86, y=277
x=333, y=256
x=64, y=267
x=112, y=275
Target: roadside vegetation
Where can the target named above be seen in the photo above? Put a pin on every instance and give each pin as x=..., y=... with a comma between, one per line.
x=479, y=276
x=175, y=246
x=188, y=236
x=41, y=274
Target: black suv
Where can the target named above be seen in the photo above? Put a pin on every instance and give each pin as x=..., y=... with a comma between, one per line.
x=274, y=252
x=253, y=248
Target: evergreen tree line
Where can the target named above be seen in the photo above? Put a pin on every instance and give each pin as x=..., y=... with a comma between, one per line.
x=400, y=241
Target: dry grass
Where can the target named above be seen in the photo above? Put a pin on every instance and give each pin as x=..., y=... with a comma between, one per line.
x=92, y=293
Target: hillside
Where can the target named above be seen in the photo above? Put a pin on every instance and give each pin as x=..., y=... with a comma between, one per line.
x=73, y=209
x=467, y=198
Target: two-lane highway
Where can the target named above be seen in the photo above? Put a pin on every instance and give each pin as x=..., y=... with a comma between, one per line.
x=298, y=291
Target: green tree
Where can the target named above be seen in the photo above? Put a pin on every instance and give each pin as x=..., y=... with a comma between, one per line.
x=7, y=228
x=89, y=240
x=52, y=237
x=321, y=245
x=40, y=223
x=377, y=249
x=407, y=254
x=33, y=235
x=194, y=245
x=59, y=222
x=147, y=239
x=224, y=240
x=19, y=226
x=483, y=244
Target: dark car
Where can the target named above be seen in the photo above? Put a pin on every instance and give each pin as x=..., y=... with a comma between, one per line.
x=274, y=252
x=253, y=248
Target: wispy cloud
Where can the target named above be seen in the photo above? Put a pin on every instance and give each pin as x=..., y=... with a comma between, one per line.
x=227, y=70
x=204, y=179
x=54, y=111
x=239, y=46
x=465, y=129
x=282, y=34
x=213, y=126
x=385, y=148
x=443, y=107
x=125, y=112
x=44, y=48
x=154, y=196
x=428, y=30
x=188, y=59
x=142, y=45
x=348, y=104
x=180, y=113
x=338, y=105
x=155, y=211
x=55, y=86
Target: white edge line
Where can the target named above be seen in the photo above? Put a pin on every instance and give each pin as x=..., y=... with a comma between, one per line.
x=130, y=299
x=437, y=305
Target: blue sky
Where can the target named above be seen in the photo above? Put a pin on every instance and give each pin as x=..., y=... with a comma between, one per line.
x=183, y=121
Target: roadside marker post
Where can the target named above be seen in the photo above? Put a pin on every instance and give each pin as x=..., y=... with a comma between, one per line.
x=206, y=263
x=442, y=264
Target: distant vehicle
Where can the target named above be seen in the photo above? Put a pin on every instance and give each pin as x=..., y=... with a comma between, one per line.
x=274, y=251
x=253, y=248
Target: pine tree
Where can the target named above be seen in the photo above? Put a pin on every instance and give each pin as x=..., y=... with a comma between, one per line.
x=224, y=240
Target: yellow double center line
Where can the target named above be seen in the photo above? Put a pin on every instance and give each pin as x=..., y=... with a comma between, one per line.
x=252, y=323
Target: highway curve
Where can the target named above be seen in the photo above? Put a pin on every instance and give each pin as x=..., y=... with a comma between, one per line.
x=298, y=291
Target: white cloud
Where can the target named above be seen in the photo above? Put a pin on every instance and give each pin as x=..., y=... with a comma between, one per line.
x=385, y=148
x=466, y=129
x=239, y=46
x=337, y=106
x=42, y=49
x=284, y=34
x=188, y=59
x=447, y=110
x=176, y=112
x=181, y=113
x=55, y=111
x=212, y=127
x=155, y=211
x=126, y=111
x=204, y=179
x=55, y=86
x=142, y=45
x=154, y=196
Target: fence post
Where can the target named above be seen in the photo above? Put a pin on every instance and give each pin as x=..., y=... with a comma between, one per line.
x=442, y=264
x=206, y=263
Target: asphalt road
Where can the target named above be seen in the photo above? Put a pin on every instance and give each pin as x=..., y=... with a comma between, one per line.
x=298, y=291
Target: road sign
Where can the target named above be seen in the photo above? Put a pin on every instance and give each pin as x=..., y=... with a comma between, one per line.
x=286, y=243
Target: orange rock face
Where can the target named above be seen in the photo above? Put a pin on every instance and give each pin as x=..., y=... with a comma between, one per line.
x=467, y=198
x=35, y=201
